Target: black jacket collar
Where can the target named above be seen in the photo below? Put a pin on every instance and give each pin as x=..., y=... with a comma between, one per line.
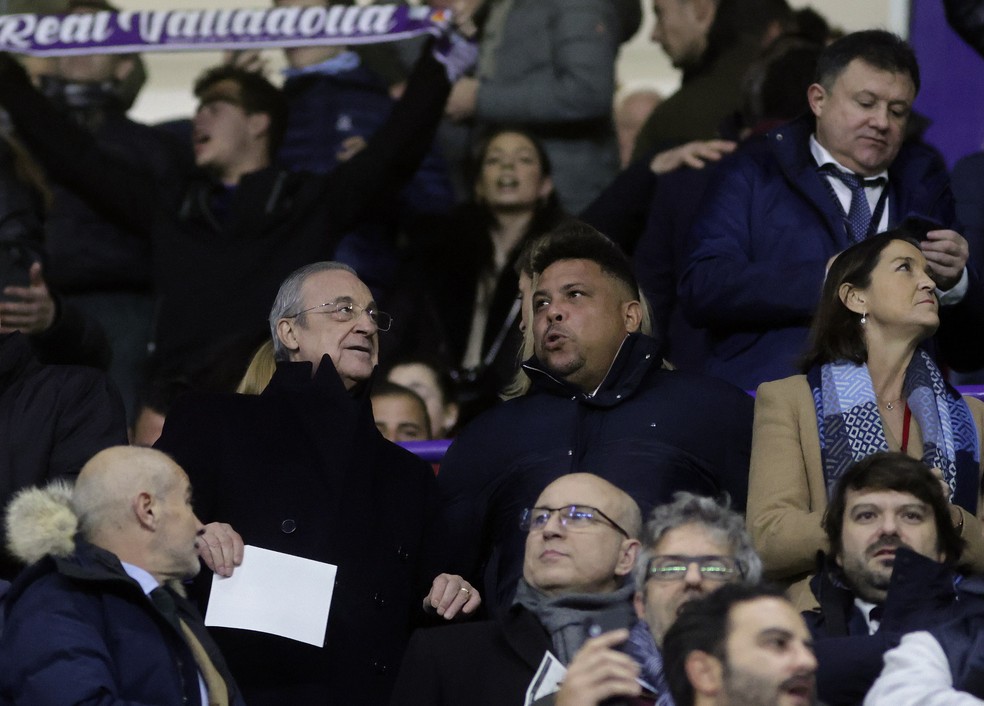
x=637, y=356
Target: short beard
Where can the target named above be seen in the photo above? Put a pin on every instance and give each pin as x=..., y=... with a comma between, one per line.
x=868, y=584
x=742, y=688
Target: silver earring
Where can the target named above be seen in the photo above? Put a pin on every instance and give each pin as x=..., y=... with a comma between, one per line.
x=864, y=318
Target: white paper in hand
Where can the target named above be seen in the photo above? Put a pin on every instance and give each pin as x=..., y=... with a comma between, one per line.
x=547, y=679
x=274, y=593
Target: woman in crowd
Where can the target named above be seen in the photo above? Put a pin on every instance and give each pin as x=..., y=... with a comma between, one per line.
x=433, y=383
x=260, y=370
x=463, y=286
x=868, y=386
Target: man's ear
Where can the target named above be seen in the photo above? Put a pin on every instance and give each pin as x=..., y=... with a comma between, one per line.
x=632, y=314
x=704, y=672
x=144, y=510
x=704, y=13
x=639, y=603
x=258, y=124
x=124, y=67
x=816, y=96
x=628, y=553
x=546, y=188
x=285, y=333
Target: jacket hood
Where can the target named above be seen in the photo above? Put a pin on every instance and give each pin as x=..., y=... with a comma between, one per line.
x=40, y=521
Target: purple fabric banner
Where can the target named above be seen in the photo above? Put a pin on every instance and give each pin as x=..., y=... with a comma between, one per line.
x=208, y=30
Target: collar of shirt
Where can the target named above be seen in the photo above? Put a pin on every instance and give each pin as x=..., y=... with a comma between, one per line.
x=147, y=582
x=346, y=61
x=866, y=608
x=822, y=156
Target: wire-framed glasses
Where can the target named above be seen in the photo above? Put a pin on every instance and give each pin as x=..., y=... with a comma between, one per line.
x=570, y=516
x=343, y=311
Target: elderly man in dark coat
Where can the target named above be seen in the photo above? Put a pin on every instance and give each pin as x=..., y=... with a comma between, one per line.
x=99, y=617
x=302, y=469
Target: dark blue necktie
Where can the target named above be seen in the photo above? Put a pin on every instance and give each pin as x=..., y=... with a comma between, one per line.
x=859, y=217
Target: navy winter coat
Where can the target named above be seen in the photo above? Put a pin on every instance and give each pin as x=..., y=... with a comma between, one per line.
x=761, y=245
x=79, y=630
x=650, y=431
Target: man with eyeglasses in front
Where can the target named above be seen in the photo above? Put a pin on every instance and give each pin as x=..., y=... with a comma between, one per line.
x=581, y=546
x=693, y=546
x=302, y=469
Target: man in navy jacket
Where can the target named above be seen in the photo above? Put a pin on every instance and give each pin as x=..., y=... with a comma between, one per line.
x=778, y=211
x=100, y=617
x=600, y=402
x=890, y=572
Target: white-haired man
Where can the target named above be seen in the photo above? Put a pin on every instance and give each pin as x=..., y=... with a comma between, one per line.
x=301, y=469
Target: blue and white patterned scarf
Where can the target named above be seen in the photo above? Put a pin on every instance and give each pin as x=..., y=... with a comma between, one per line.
x=850, y=425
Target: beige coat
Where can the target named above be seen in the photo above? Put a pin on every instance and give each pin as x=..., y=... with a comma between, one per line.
x=787, y=496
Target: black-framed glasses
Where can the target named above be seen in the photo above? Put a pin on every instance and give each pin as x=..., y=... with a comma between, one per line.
x=347, y=311
x=573, y=517
x=672, y=567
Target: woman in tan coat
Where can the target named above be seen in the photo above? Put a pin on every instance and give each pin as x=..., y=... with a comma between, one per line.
x=868, y=387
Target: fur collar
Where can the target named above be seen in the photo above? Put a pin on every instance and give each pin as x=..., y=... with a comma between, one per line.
x=40, y=521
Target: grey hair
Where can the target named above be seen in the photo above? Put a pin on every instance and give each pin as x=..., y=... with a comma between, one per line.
x=722, y=522
x=288, y=300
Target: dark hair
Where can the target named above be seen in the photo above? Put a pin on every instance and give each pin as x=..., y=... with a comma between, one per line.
x=836, y=333
x=743, y=21
x=385, y=388
x=810, y=24
x=442, y=374
x=548, y=210
x=893, y=470
x=776, y=84
x=481, y=147
x=575, y=240
x=478, y=253
x=703, y=625
x=257, y=94
x=875, y=47
x=94, y=5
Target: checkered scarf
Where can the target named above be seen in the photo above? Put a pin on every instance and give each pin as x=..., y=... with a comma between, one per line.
x=850, y=425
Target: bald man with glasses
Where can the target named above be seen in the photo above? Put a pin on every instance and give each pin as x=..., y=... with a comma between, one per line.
x=581, y=547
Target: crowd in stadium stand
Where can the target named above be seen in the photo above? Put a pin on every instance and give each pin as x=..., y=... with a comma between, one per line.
x=567, y=395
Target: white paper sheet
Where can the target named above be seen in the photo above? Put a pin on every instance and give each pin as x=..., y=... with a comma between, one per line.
x=274, y=593
x=547, y=679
